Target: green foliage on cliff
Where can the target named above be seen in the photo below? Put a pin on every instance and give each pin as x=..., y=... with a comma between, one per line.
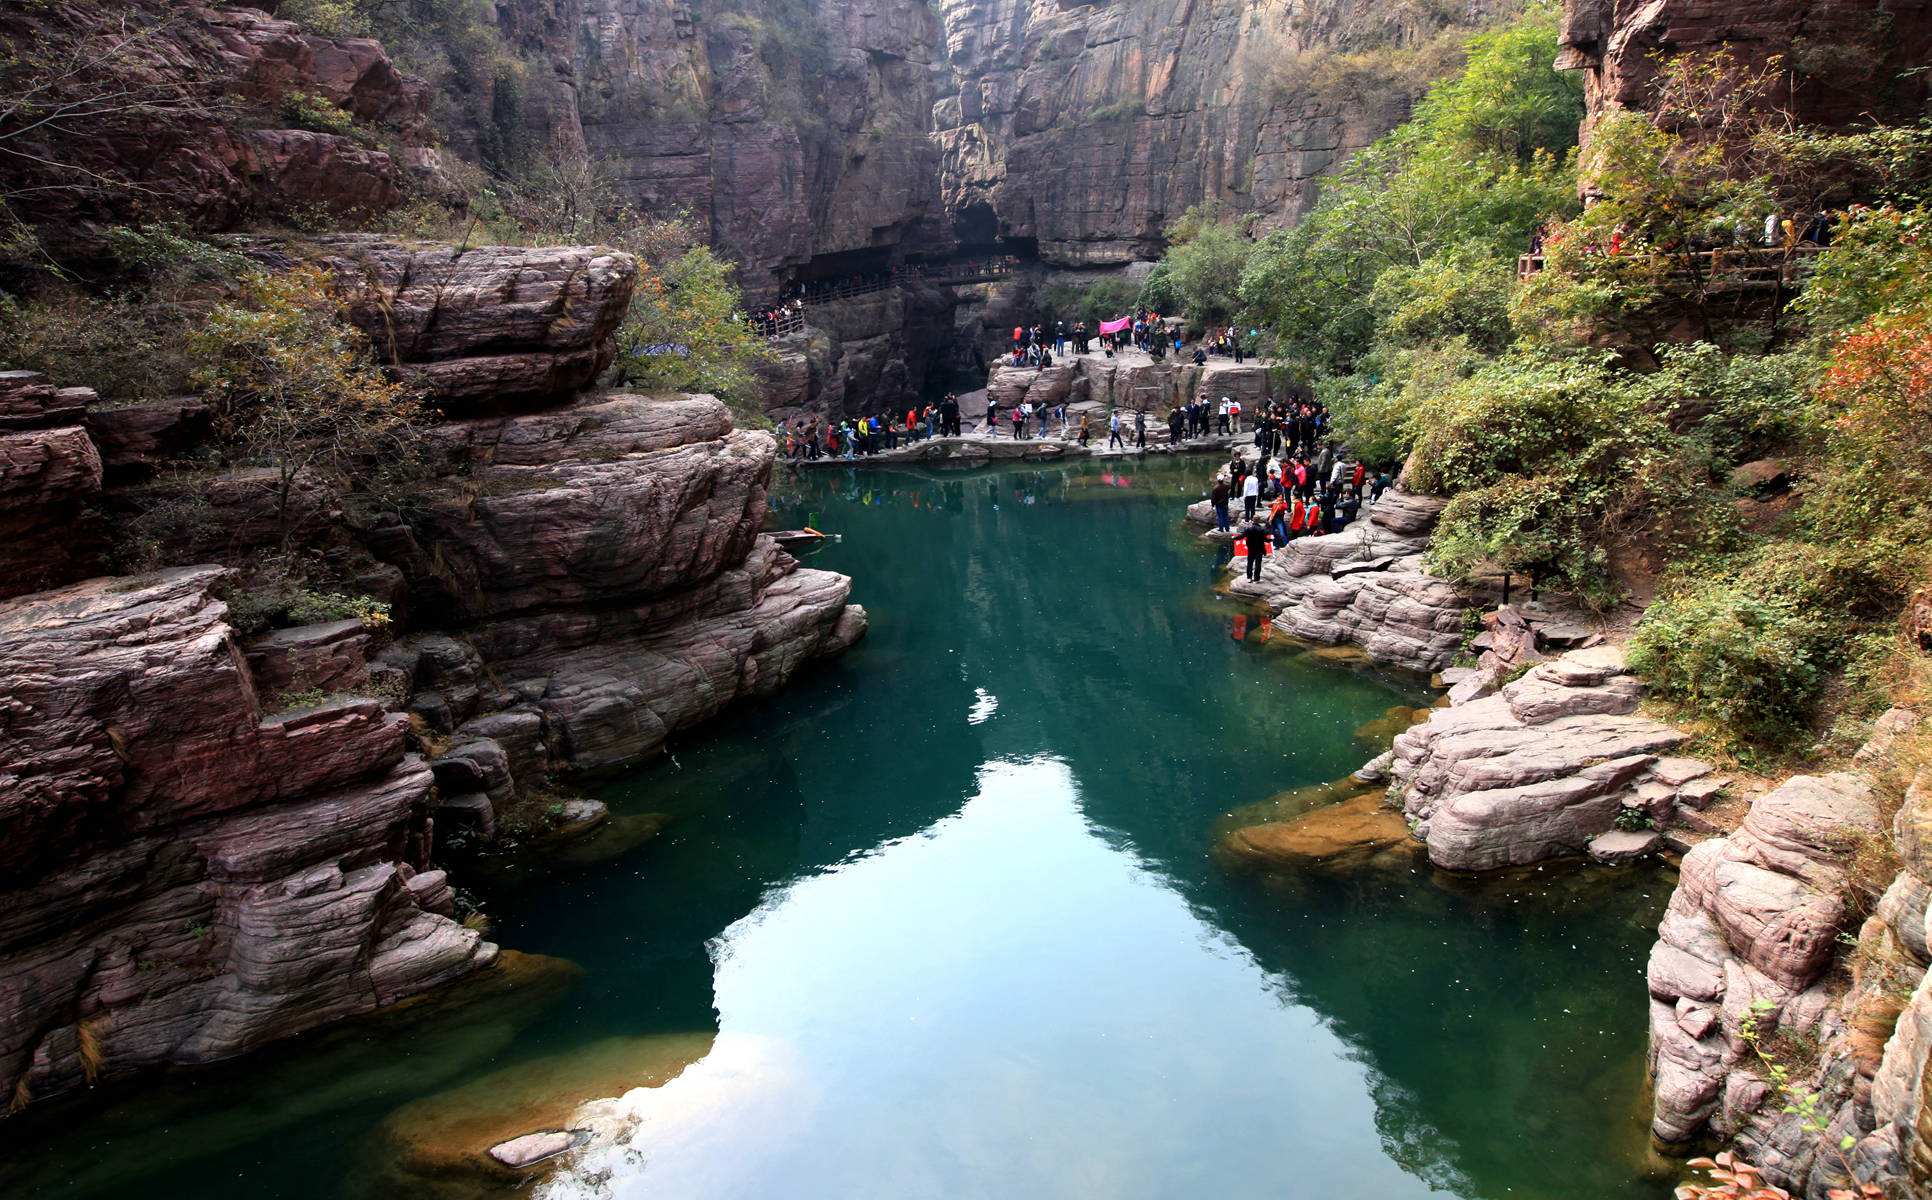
x=684, y=333
x=476, y=80
x=1201, y=271
x=1101, y=300
x=293, y=388
x=1484, y=160
x=1552, y=461
x=1584, y=424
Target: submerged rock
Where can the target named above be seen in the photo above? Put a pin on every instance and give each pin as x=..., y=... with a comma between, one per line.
x=1622, y=846
x=448, y=1143
x=533, y=1148
x=1348, y=833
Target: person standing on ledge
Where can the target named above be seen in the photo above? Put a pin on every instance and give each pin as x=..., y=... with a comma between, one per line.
x=1219, y=498
x=1085, y=432
x=1140, y=428
x=992, y=417
x=1250, y=494
x=1256, y=537
x=1113, y=430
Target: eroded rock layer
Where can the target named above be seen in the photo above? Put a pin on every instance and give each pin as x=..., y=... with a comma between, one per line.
x=184, y=876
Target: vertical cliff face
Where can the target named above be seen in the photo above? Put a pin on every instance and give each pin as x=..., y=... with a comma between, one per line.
x=1088, y=127
x=793, y=129
x=1842, y=60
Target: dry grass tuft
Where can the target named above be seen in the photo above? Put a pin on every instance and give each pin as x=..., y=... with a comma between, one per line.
x=87, y=1042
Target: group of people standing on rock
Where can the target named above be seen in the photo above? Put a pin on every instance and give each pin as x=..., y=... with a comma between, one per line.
x=1034, y=347
x=809, y=438
x=1029, y=420
x=1307, y=496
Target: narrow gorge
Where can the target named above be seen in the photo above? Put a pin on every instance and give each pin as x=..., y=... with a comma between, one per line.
x=586, y=608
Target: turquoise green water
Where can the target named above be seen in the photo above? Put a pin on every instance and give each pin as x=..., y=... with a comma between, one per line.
x=949, y=906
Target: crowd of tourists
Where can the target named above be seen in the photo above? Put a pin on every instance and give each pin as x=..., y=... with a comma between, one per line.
x=1146, y=331
x=1308, y=486
x=807, y=438
x=780, y=320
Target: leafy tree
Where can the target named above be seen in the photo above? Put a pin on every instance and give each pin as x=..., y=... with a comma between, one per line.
x=685, y=331
x=1483, y=161
x=1101, y=300
x=1204, y=272
x=294, y=388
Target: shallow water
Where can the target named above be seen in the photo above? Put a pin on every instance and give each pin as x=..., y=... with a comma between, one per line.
x=949, y=906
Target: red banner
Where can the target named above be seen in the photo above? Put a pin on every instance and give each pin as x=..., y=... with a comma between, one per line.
x=1107, y=327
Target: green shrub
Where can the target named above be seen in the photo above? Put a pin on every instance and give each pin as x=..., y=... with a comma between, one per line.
x=1550, y=461
x=1751, y=664
x=1119, y=110
x=315, y=113
x=1750, y=643
x=306, y=607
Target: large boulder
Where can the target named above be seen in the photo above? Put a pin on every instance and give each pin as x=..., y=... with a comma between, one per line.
x=183, y=876
x=1538, y=769
x=50, y=476
x=475, y=324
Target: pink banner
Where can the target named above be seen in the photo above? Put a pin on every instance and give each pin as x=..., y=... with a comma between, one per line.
x=1107, y=327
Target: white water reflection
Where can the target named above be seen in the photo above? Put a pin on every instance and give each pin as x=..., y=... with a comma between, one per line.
x=1004, y=1005
x=985, y=704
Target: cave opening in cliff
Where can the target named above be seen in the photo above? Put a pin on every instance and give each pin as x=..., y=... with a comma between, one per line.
x=844, y=264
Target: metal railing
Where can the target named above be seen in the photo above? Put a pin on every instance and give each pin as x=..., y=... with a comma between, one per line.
x=1743, y=263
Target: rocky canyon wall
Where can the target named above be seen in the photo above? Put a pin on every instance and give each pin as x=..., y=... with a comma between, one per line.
x=1086, y=128
x=789, y=130
x=219, y=824
x=1841, y=61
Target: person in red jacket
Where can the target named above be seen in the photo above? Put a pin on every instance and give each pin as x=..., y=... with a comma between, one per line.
x=1298, y=520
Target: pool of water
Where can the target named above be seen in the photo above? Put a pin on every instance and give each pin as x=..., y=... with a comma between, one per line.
x=943, y=920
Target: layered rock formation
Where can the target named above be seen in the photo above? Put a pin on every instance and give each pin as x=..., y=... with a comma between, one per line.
x=209, y=842
x=185, y=875
x=469, y=325
x=604, y=567
x=790, y=132
x=202, y=112
x=1840, y=62
x=1087, y=128
x=1543, y=768
x=1365, y=586
x=1742, y=977
x=50, y=475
